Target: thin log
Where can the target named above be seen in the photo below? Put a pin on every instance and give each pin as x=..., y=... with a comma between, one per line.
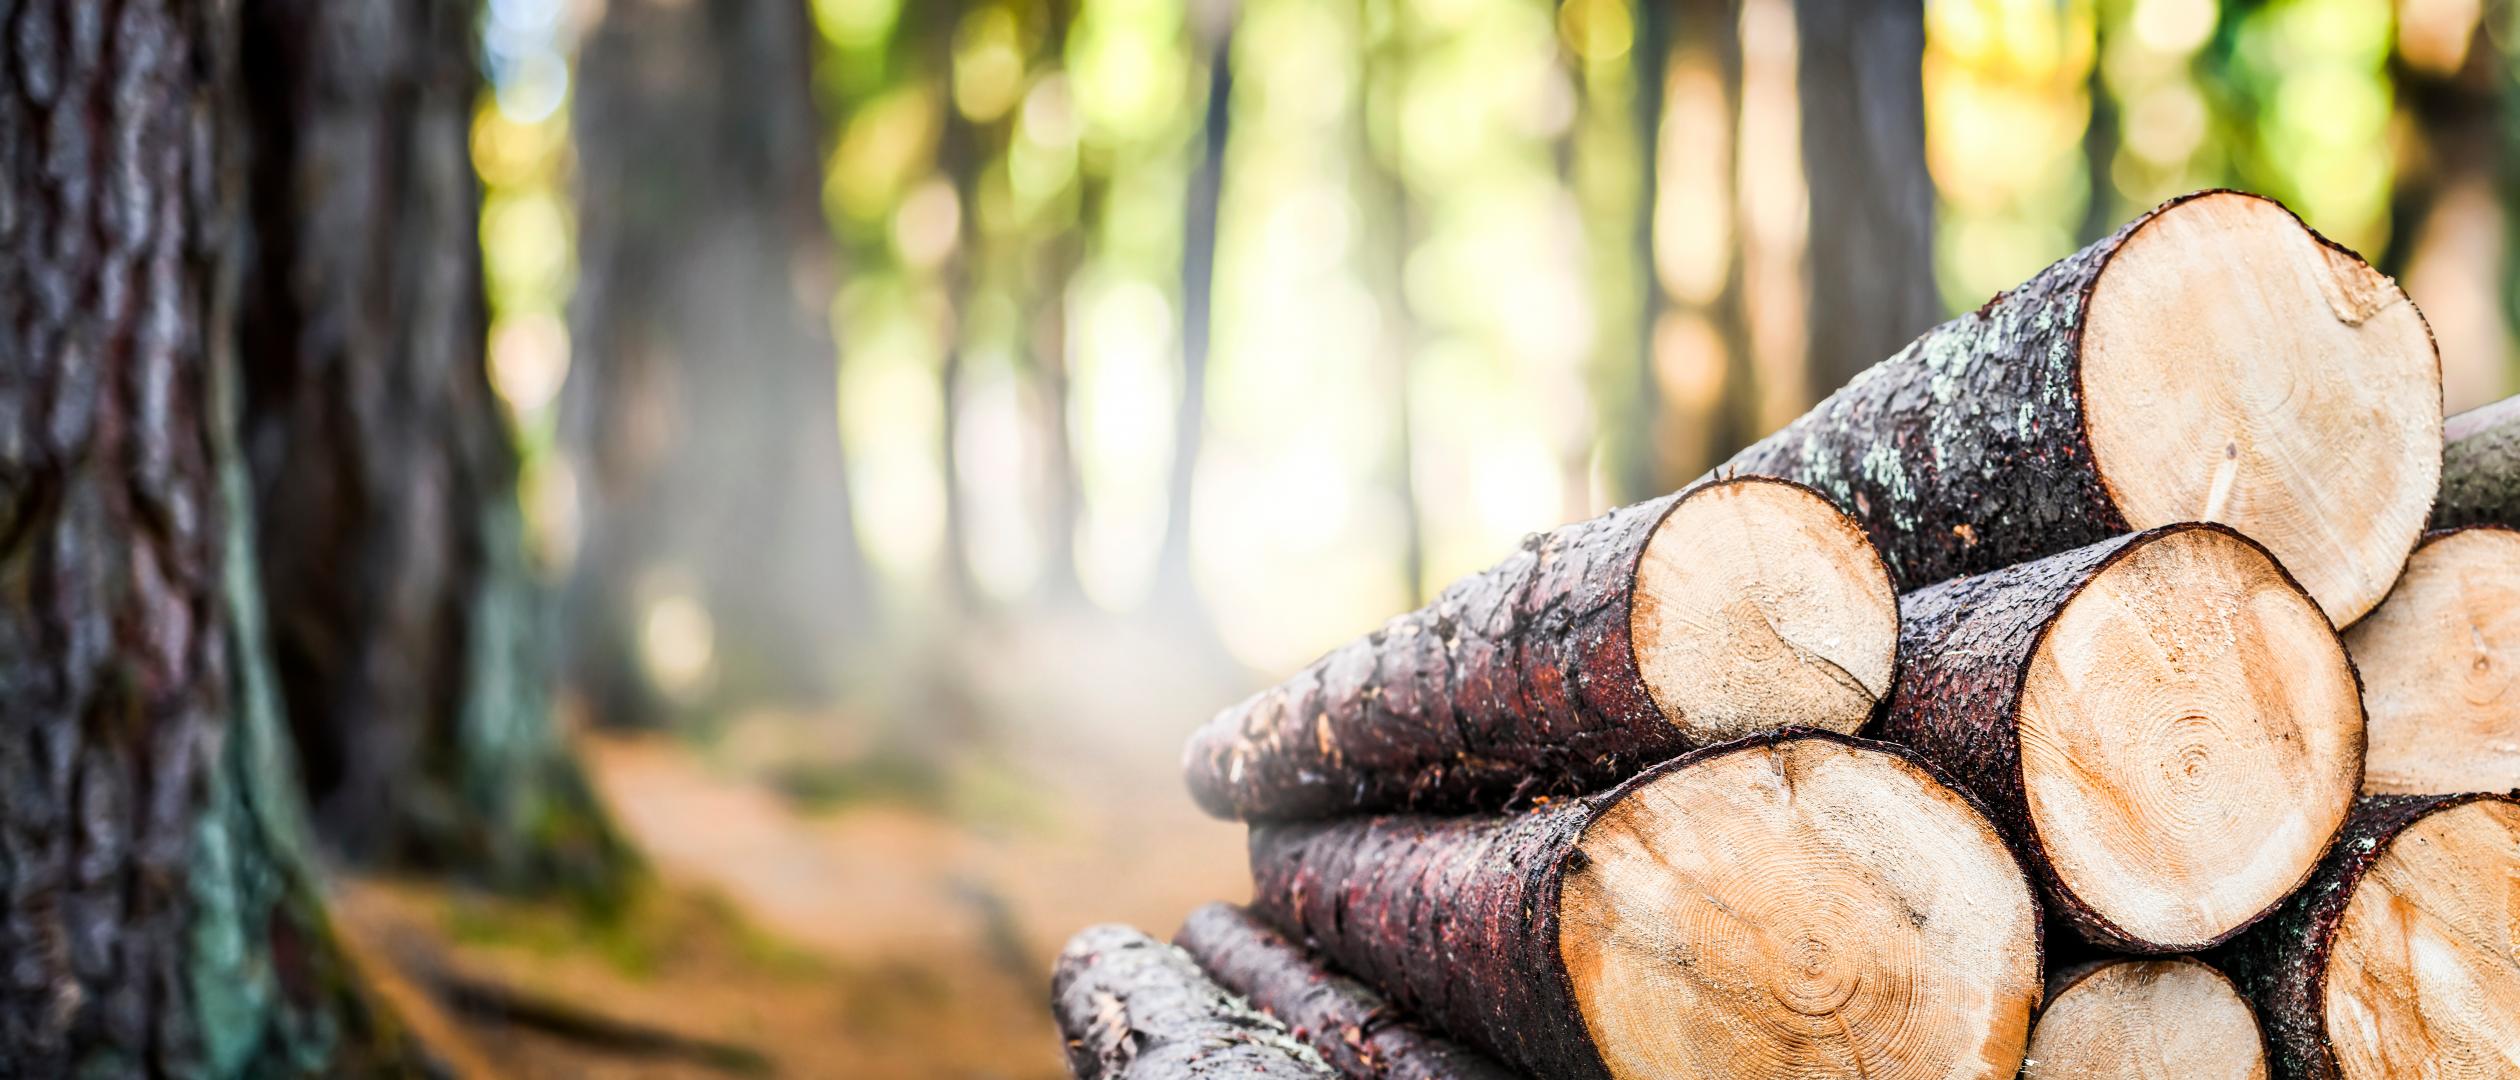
x=1801, y=903
x=1353, y=1026
x=2212, y=360
x=2398, y=958
x=1131, y=1006
x=2164, y=724
x=2439, y=659
x=2480, y=467
x=1730, y=608
x=2174, y=1016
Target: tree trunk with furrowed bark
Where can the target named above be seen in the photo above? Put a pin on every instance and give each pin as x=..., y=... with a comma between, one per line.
x=2480, y=467
x=1546, y=937
x=159, y=915
x=407, y=630
x=1353, y=1026
x=2289, y=964
x=1133, y=1008
x=1526, y=679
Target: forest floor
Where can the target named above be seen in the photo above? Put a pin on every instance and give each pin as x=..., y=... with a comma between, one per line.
x=814, y=915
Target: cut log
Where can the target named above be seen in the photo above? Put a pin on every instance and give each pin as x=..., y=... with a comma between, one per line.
x=1354, y=1028
x=2400, y=958
x=2163, y=723
x=1794, y=904
x=1727, y=609
x=1131, y=1006
x=2439, y=659
x=2212, y=360
x=2172, y=1017
x=2480, y=467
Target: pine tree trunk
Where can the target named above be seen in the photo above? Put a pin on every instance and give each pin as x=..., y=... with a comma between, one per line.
x=704, y=378
x=159, y=914
x=1592, y=652
x=2480, y=467
x=2041, y=688
x=1133, y=1008
x=1611, y=935
x=2212, y=360
x=408, y=633
x=2406, y=928
x=1872, y=202
x=1353, y=1027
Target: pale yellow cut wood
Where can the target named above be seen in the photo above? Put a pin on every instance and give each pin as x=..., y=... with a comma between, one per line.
x=1801, y=909
x=1760, y=605
x=2190, y=738
x=2237, y=370
x=2440, y=661
x=2424, y=979
x=2172, y=1019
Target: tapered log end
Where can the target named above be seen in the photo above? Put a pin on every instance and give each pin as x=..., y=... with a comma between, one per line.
x=2423, y=975
x=2169, y=1017
x=2191, y=738
x=1802, y=906
x=2238, y=368
x=2440, y=662
x=1760, y=604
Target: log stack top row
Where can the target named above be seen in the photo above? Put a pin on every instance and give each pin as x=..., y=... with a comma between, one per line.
x=2073, y=567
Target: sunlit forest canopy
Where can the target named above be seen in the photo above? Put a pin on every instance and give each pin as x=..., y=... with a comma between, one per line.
x=1279, y=314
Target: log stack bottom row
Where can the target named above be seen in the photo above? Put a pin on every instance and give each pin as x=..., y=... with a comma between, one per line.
x=2077, y=693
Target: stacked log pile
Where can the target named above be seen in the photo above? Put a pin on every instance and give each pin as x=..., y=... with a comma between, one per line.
x=2076, y=693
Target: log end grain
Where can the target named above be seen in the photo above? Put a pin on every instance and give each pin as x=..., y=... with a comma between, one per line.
x=2440, y=662
x=2237, y=367
x=2191, y=738
x=1130, y=1006
x=2168, y=1017
x=1759, y=604
x=1805, y=905
x=2423, y=971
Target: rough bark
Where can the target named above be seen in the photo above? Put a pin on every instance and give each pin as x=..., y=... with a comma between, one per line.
x=1354, y=1027
x=1455, y=917
x=407, y=631
x=1518, y=681
x=2281, y=964
x=1131, y=1006
x=1872, y=202
x=1966, y=649
x=156, y=908
x=1967, y=450
x=2480, y=468
x=703, y=380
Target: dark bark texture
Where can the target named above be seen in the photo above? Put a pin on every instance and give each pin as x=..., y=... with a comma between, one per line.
x=1518, y=681
x=704, y=382
x=1456, y=918
x=2281, y=964
x=1965, y=452
x=1353, y=1026
x=156, y=911
x=1964, y=649
x=2480, y=467
x=1130, y=1006
x=407, y=630
x=1872, y=202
